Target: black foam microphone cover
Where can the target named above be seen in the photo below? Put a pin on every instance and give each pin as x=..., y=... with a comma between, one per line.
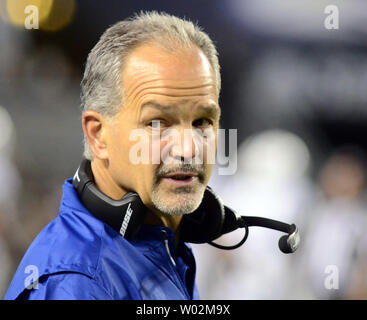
x=206, y=222
x=283, y=245
x=289, y=243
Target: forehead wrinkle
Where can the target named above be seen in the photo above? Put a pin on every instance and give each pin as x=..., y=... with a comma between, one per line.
x=134, y=84
x=191, y=96
x=163, y=85
x=170, y=93
x=211, y=109
x=148, y=64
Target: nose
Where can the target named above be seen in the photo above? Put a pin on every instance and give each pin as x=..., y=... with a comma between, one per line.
x=185, y=146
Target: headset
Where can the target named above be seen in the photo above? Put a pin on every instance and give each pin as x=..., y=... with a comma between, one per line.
x=207, y=223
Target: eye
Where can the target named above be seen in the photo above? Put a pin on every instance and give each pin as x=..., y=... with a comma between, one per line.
x=156, y=123
x=202, y=122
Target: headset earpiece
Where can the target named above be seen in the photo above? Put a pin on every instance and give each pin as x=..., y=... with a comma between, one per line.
x=125, y=215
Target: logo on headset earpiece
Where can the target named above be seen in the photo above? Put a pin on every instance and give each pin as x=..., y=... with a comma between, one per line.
x=127, y=217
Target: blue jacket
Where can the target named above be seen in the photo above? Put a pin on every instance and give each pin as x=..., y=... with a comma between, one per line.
x=77, y=256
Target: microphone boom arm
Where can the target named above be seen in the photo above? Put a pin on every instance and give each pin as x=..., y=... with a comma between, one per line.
x=287, y=243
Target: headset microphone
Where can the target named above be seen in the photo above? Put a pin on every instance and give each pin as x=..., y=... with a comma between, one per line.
x=208, y=222
x=287, y=244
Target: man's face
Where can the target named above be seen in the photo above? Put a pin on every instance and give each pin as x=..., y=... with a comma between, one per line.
x=178, y=92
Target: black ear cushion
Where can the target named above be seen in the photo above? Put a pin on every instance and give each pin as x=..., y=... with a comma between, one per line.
x=206, y=222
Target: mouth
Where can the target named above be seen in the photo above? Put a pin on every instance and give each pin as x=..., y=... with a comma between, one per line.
x=181, y=179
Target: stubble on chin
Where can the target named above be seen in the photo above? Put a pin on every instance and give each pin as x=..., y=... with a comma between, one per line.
x=177, y=201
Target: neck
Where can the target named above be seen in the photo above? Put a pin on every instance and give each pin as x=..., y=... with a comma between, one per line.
x=104, y=180
x=161, y=219
x=105, y=183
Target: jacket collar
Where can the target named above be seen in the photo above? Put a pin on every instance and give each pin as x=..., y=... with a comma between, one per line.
x=70, y=198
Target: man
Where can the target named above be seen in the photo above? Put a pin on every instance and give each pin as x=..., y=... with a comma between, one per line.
x=151, y=73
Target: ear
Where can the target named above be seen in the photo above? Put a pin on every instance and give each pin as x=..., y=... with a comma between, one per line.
x=94, y=127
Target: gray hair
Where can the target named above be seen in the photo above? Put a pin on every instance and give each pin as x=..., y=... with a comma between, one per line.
x=101, y=87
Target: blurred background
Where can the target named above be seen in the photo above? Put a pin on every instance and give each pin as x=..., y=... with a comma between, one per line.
x=294, y=90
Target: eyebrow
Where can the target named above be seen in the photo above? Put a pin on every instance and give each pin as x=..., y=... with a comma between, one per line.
x=211, y=110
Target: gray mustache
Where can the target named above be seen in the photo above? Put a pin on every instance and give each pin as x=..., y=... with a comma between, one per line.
x=200, y=170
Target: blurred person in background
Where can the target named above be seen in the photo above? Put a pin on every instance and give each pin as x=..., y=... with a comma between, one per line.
x=12, y=236
x=335, y=253
x=36, y=87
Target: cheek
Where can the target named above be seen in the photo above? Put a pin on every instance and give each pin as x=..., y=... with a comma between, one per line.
x=131, y=153
x=209, y=148
x=120, y=166
x=209, y=170
x=147, y=175
x=119, y=147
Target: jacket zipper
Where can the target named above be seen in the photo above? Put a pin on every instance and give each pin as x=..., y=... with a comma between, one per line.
x=174, y=263
x=169, y=252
